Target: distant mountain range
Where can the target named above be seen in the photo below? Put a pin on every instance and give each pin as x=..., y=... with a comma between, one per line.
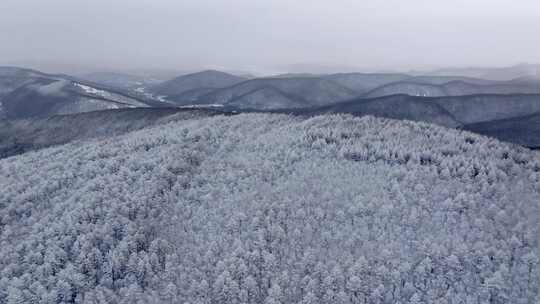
x=504, y=109
x=174, y=88
x=274, y=93
x=212, y=188
x=309, y=90
x=454, y=88
x=501, y=73
x=27, y=93
x=462, y=110
x=514, y=118
x=121, y=80
x=362, y=83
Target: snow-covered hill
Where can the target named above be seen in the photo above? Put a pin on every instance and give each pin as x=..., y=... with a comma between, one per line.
x=202, y=80
x=44, y=97
x=507, y=117
x=27, y=93
x=12, y=78
x=22, y=135
x=499, y=73
x=365, y=82
x=271, y=93
x=260, y=208
x=121, y=80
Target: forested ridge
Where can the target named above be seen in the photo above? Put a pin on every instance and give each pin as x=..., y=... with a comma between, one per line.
x=262, y=208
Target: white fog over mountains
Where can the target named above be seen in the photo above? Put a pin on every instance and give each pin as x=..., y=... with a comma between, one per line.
x=269, y=152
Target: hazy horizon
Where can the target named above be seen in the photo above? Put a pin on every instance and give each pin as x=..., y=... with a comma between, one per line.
x=267, y=36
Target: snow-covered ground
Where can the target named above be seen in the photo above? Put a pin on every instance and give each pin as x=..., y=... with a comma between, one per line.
x=91, y=90
x=109, y=95
x=201, y=106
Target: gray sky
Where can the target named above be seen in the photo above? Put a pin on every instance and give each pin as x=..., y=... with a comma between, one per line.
x=264, y=34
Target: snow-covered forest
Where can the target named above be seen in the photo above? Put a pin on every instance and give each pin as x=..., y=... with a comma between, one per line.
x=261, y=208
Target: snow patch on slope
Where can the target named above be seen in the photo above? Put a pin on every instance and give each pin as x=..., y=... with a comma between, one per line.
x=91, y=90
x=109, y=95
x=201, y=106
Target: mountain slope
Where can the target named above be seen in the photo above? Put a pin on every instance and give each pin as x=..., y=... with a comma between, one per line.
x=306, y=92
x=463, y=109
x=120, y=80
x=407, y=88
x=454, y=88
x=523, y=130
x=396, y=106
x=190, y=96
x=500, y=74
x=269, y=208
x=494, y=115
x=266, y=98
x=431, y=79
x=529, y=79
x=20, y=136
x=12, y=78
x=464, y=88
x=364, y=82
x=29, y=93
x=42, y=97
x=479, y=108
x=204, y=79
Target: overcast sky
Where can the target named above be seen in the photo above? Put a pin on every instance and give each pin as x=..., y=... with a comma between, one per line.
x=265, y=34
